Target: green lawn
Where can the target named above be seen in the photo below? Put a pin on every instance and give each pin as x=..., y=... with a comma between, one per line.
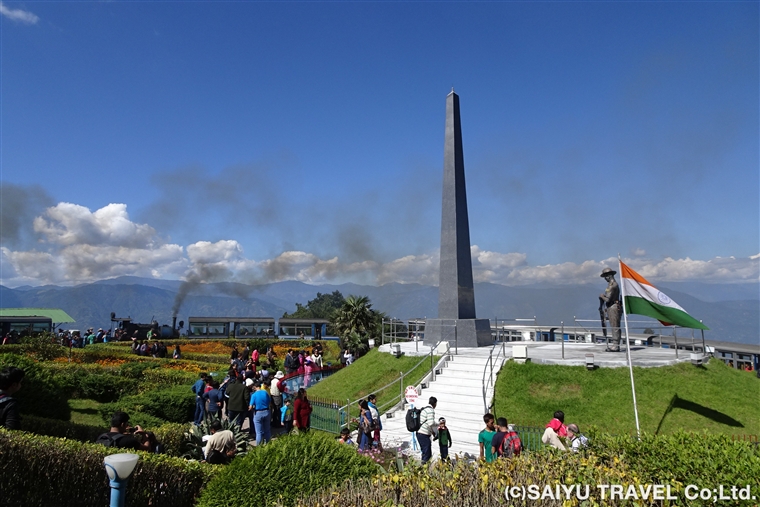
x=715, y=398
x=85, y=412
x=368, y=374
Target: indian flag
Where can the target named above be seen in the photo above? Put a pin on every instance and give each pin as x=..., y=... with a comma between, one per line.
x=643, y=298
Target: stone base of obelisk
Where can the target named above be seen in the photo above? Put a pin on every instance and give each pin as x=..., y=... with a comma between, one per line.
x=458, y=332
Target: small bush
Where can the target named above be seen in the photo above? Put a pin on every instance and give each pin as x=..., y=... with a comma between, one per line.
x=168, y=404
x=42, y=347
x=284, y=470
x=172, y=436
x=66, y=473
x=40, y=394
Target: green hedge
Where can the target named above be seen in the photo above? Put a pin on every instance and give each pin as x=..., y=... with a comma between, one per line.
x=60, y=429
x=167, y=404
x=284, y=470
x=702, y=459
x=92, y=381
x=171, y=435
x=166, y=377
x=38, y=470
x=41, y=393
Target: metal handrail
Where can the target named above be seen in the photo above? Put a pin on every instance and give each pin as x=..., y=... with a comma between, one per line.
x=400, y=397
x=490, y=366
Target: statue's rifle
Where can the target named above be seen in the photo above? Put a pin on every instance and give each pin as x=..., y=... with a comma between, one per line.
x=603, y=317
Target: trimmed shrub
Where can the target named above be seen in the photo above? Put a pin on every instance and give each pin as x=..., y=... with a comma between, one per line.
x=40, y=470
x=60, y=429
x=41, y=394
x=172, y=436
x=702, y=459
x=136, y=368
x=92, y=381
x=168, y=403
x=284, y=470
x=165, y=377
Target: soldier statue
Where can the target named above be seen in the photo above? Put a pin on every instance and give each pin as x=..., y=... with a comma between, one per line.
x=611, y=298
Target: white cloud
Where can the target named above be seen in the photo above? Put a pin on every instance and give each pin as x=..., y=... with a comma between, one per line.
x=77, y=246
x=84, y=246
x=72, y=224
x=19, y=15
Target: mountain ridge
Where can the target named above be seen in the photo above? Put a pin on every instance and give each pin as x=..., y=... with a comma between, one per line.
x=145, y=299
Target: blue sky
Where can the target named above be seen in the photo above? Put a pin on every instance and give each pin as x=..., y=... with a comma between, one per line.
x=262, y=141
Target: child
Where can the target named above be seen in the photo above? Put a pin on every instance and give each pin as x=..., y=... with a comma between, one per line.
x=345, y=437
x=286, y=415
x=444, y=439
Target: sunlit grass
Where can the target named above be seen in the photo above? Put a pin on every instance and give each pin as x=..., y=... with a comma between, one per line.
x=85, y=411
x=715, y=398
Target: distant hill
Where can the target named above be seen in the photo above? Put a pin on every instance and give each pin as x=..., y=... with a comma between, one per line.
x=730, y=311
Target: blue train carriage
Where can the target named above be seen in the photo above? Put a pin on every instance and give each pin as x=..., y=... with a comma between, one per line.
x=309, y=329
x=254, y=327
x=209, y=327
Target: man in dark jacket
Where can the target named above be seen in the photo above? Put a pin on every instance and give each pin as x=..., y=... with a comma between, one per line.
x=10, y=383
x=237, y=401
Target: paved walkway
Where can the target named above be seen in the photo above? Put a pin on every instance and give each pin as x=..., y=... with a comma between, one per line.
x=459, y=387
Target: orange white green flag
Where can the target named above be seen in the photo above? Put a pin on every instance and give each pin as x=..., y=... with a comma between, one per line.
x=643, y=298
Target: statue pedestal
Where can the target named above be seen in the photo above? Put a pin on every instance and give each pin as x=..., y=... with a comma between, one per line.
x=458, y=332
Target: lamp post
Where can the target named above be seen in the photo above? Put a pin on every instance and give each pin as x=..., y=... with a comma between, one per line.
x=119, y=467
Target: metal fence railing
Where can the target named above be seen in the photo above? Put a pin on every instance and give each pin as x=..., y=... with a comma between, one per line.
x=332, y=415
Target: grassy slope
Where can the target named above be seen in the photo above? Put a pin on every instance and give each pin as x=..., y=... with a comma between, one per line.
x=85, y=412
x=369, y=373
x=716, y=398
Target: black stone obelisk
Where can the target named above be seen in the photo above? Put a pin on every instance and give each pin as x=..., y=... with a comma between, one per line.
x=456, y=322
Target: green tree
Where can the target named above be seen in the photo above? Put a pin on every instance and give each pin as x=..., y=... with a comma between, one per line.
x=355, y=322
x=321, y=307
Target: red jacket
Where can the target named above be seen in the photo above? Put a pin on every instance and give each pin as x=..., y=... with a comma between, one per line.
x=301, y=413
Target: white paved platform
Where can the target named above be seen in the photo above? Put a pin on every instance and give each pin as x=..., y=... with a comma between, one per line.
x=459, y=387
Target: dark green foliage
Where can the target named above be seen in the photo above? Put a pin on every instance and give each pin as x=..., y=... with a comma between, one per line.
x=321, y=307
x=40, y=394
x=164, y=377
x=169, y=404
x=42, y=347
x=61, y=429
x=171, y=435
x=92, y=382
x=135, y=369
x=284, y=470
x=193, y=444
x=687, y=458
x=66, y=473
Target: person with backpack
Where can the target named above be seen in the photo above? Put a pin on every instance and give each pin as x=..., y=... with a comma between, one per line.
x=10, y=383
x=578, y=440
x=200, y=404
x=365, y=427
x=123, y=436
x=378, y=424
x=506, y=443
x=427, y=429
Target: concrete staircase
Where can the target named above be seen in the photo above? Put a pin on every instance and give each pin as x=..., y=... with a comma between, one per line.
x=459, y=390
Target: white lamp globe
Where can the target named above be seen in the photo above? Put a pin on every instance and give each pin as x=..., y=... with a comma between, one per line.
x=120, y=466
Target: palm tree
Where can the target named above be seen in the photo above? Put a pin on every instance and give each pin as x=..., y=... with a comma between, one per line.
x=356, y=316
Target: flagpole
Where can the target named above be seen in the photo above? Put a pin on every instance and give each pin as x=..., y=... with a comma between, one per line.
x=628, y=350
